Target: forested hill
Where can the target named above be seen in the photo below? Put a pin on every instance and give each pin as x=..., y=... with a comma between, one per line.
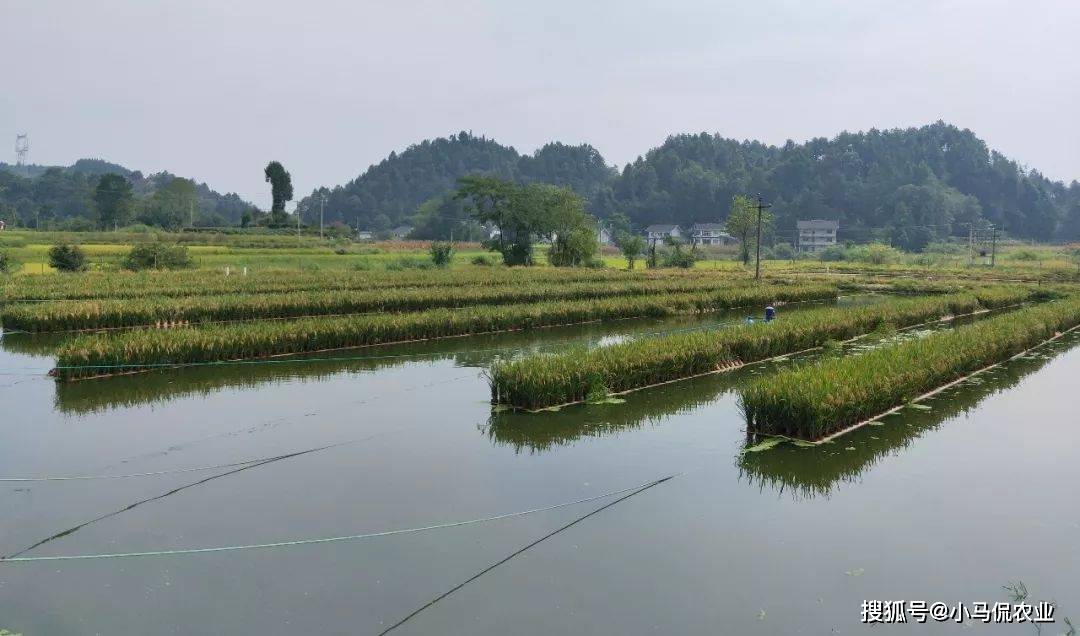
x=61, y=196
x=909, y=185
x=388, y=193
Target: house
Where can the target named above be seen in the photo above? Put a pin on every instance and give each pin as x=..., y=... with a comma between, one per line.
x=657, y=233
x=817, y=234
x=401, y=231
x=710, y=234
x=364, y=235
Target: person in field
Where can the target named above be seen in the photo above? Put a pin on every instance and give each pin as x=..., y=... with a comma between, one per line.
x=770, y=313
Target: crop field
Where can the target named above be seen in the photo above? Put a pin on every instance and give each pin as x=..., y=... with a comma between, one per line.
x=193, y=410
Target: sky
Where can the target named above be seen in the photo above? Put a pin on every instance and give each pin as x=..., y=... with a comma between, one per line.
x=213, y=90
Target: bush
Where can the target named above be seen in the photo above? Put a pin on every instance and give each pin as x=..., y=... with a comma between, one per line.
x=1024, y=255
x=156, y=255
x=442, y=253
x=7, y=264
x=482, y=260
x=783, y=251
x=831, y=253
x=65, y=257
x=678, y=257
x=874, y=253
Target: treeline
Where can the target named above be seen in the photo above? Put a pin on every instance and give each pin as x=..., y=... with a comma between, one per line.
x=908, y=186
x=70, y=198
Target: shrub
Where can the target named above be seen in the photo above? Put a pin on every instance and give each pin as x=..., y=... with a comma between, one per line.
x=7, y=263
x=678, y=257
x=65, y=257
x=783, y=251
x=442, y=253
x=156, y=255
x=1024, y=255
x=831, y=254
x=482, y=260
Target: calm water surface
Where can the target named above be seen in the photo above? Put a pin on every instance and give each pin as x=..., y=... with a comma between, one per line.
x=946, y=504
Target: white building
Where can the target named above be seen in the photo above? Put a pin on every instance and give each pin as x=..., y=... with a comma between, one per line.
x=710, y=234
x=657, y=233
x=817, y=234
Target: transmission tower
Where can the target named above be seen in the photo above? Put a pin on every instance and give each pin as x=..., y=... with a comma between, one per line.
x=22, y=149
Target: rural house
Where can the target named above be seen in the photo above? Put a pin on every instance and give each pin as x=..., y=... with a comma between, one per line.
x=710, y=234
x=817, y=234
x=657, y=233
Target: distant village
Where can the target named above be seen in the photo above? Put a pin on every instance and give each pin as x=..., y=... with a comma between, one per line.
x=814, y=235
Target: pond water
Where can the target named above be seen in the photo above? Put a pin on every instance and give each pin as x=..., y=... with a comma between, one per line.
x=948, y=504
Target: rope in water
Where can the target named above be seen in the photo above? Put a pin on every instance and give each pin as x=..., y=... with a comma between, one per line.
x=351, y=537
x=519, y=551
x=174, y=471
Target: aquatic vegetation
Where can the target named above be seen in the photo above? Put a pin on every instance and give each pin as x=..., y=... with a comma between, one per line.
x=833, y=394
x=98, y=354
x=100, y=314
x=547, y=379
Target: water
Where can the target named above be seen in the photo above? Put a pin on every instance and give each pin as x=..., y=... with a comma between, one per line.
x=947, y=504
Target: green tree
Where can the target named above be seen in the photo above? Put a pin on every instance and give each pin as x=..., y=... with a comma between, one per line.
x=156, y=255
x=65, y=257
x=742, y=223
x=442, y=253
x=171, y=205
x=113, y=200
x=632, y=247
x=281, y=190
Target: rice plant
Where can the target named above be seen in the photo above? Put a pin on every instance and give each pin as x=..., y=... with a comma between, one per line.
x=101, y=314
x=549, y=379
x=813, y=401
x=97, y=354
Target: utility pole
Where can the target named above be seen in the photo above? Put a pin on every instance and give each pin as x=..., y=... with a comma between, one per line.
x=971, y=244
x=993, y=246
x=757, y=259
x=191, y=214
x=322, y=208
x=298, y=222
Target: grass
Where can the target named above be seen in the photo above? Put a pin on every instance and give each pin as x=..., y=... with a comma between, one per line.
x=98, y=314
x=97, y=354
x=814, y=401
x=546, y=380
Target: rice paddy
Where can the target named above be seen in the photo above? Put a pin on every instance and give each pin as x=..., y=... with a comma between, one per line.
x=831, y=395
x=430, y=448
x=98, y=354
x=541, y=381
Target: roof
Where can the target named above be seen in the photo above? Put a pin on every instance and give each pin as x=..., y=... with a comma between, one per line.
x=818, y=224
x=402, y=229
x=708, y=226
x=661, y=228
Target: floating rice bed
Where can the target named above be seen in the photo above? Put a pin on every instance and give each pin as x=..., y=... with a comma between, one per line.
x=127, y=285
x=832, y=395
x=547, y=380
x=114, y=353
x=172, y=312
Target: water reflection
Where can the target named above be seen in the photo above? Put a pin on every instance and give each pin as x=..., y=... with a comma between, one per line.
x=808, y=472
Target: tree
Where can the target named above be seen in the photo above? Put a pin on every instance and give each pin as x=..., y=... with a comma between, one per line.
x=113, y=201
x=631, y=246
x=64, y=257
x=442, y=253
x=281, y=190
x=156, y=255
x=171, y=205
x=742, y=223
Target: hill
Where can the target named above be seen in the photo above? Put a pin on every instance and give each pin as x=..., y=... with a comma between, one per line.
x=60, y=196
x=909, y=186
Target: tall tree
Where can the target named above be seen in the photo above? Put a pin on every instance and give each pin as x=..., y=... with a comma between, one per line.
x=742, y=223
x=113, y=199
x=281, y=190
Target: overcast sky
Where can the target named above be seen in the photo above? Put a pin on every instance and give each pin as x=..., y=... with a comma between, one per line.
x=213, y=90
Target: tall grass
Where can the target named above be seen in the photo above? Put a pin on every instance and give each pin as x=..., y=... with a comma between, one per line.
x=98, y=314
x=814, y=401
x=96, y=354
x=549, y=379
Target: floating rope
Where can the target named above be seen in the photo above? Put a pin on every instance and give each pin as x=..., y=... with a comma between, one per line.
x=175, y=471
x=491, y=567
x=352, y=537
